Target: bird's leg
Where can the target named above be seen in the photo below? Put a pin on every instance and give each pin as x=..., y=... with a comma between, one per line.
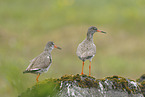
x=37, y=77
x=82, y=68
x=90, y=69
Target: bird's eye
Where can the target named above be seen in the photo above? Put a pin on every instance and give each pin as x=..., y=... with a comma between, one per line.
x=94, y=28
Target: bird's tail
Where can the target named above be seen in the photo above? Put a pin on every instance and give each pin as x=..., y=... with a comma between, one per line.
x=31, y=71
x=26, y=71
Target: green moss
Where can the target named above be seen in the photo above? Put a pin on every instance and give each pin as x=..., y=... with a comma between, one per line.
x=143, y=83
x=121, y=83
x=83, y=81
x=142, y=86
x=50, y=87
x=141, y=79
x=128, y=90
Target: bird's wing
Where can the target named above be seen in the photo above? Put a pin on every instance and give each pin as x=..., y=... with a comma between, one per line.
x=46, y=62
x=40, y=62
x=32, y=63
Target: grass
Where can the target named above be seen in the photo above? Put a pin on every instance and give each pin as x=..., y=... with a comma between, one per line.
x=27, y=25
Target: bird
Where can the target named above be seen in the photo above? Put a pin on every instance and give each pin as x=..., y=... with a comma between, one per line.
x=42, y=62
x=86, y=50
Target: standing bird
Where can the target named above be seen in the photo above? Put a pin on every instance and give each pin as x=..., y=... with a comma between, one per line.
x=42, y=62
x=87, y=49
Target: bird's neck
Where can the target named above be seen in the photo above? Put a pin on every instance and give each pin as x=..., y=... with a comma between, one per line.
x=47, y=50
x=89, y=36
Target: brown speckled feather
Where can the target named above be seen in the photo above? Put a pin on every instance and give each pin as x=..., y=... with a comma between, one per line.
x=86, y=50
x=40, y=63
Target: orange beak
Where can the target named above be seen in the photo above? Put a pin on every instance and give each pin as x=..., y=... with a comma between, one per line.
x=57, y=47
x=101, y=31
x=98, y=31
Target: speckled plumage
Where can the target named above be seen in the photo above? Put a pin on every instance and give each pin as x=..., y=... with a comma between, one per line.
x=87, y=49
x=42, y=62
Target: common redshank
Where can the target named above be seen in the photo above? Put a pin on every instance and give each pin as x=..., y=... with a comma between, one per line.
x=87, y=49
x=42, y=62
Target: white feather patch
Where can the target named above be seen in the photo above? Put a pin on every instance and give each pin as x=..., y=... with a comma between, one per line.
x=35, y=69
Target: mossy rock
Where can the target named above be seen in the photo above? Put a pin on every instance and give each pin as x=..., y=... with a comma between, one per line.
x=83, y=85
x=141, y=80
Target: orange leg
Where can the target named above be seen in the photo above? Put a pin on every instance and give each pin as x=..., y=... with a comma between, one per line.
x=82, y=68
x=90, y=69
x=37, y=77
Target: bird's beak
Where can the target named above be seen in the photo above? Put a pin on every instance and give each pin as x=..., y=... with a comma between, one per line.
x=101, y=31
x=57, y=47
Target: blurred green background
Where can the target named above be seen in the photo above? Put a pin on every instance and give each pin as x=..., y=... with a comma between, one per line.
x=27, y=25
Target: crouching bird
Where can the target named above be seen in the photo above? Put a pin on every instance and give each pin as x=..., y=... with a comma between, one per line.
x=87, y=49
x=42, y=62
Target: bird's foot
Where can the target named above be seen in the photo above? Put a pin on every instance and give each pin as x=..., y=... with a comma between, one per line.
x=82, y=73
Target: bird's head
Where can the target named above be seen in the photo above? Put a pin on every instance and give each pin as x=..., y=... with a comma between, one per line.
x=50, y=45
x=93, y=29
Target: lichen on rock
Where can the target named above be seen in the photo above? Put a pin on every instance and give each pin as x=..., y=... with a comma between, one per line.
x=85, y=86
